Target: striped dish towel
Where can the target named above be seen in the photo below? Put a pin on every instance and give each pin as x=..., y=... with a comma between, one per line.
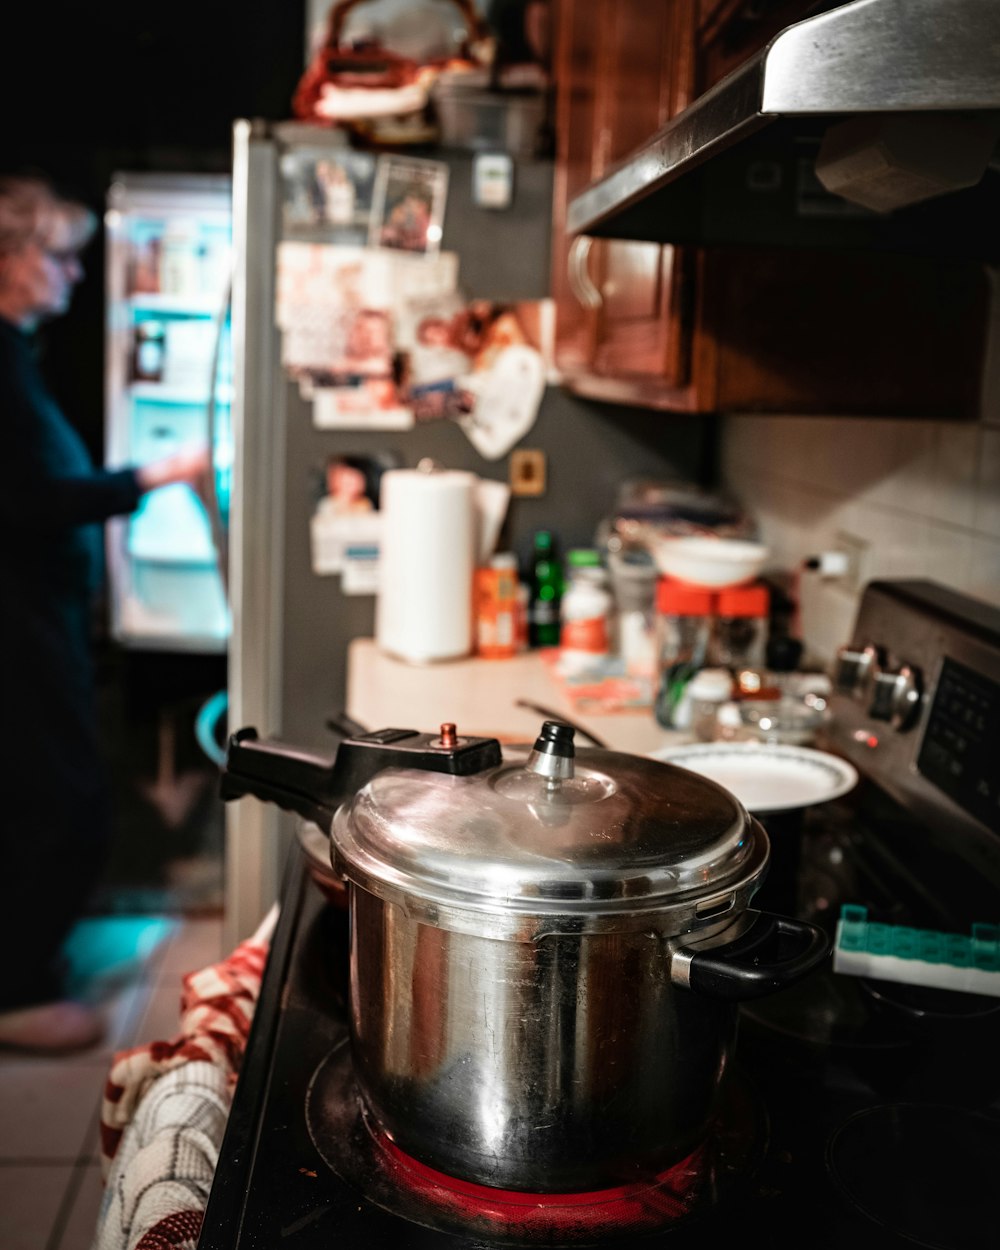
x=166, y=1103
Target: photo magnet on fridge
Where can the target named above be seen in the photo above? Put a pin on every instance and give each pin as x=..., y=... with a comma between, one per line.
x=409, y=203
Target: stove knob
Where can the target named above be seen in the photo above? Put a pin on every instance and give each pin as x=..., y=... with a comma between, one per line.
x=855, y=669
x=896, y=696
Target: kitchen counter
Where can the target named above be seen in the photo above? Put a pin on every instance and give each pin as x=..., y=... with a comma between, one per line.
x=480, y=696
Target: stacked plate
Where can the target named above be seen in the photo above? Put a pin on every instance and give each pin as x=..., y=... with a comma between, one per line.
x=766, y=777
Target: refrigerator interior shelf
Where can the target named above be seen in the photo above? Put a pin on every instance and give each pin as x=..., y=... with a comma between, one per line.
x=186, y=305
x=158, y=393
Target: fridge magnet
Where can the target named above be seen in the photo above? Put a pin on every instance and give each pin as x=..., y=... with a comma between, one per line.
x=482, y=364
x=506, y=396
x=409, y=202
x=338, y=308
x=330, y=190
x=346, y=525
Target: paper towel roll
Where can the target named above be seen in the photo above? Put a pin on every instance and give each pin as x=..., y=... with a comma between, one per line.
x=426, y=564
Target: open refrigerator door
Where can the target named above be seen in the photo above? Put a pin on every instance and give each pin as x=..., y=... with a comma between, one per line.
x=169, y=386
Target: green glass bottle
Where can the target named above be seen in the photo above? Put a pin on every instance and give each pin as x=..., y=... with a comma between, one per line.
x=546, y=593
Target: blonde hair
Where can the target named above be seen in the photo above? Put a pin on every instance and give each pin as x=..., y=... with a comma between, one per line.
x=29, y=209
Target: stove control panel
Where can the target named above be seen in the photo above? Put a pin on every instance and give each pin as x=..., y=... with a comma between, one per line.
x=958, y=752
x=916, y=708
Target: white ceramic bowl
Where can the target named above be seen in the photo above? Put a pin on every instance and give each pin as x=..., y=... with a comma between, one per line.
x=706, y=561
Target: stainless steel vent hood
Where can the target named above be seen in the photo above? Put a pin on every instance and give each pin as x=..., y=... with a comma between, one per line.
x=874, y=123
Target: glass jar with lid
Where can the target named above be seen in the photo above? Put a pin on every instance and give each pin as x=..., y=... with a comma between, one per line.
x=684, y=616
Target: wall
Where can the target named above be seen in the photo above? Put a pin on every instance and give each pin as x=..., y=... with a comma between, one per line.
x=590, y=448
x=924, y=495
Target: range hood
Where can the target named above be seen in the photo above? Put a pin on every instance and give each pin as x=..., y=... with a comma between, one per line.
x=873, y=123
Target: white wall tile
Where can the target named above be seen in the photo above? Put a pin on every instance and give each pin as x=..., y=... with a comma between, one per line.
x=952, y=497
x=949, y=556
x=924, y=495
x=987, y=511
x=984, y=575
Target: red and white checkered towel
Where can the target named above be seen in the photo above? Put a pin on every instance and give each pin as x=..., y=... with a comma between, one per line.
x=166, y=1103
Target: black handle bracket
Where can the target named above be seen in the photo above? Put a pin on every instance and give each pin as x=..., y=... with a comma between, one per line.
x=315, y=785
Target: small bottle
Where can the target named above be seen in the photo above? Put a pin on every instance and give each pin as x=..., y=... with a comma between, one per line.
x=585, y=632
x=496, y=607
x=546, y=593
x=150, y=344
x=684, y=616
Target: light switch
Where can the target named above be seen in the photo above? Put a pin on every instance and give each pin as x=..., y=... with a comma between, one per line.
x=527, y=472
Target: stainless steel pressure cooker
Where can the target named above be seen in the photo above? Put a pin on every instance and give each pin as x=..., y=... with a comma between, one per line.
x=548, y=946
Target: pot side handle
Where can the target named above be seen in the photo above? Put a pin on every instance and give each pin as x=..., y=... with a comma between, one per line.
x=773, y=953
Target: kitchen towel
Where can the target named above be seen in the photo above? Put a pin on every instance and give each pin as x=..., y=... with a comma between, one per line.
x=430, y=546
x=166, y=1104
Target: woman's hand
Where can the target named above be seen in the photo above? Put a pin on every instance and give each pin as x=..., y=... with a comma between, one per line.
x=191, y=466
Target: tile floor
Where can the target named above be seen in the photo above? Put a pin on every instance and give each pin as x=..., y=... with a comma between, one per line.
x=50, y=1177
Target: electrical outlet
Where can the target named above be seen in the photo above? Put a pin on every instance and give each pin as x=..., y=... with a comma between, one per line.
x=856, y=551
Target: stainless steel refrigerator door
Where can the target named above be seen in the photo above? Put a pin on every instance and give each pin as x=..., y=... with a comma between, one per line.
x=256, y=834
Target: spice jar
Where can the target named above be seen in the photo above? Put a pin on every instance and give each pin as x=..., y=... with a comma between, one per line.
x=707, y=691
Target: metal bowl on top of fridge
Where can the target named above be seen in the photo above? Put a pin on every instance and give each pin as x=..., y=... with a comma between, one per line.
x=548, y=946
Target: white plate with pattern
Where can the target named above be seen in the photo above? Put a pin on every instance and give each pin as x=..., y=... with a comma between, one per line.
x=766, y=777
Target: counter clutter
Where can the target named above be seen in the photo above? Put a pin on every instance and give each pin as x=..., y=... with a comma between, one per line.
x=480, y=696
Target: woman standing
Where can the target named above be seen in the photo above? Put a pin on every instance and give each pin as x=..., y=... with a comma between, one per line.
x=55, y=820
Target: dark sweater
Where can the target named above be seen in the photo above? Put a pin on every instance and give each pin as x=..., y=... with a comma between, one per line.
x=52, y=498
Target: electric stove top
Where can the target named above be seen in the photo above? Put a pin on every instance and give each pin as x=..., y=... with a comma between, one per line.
x=857, y=1114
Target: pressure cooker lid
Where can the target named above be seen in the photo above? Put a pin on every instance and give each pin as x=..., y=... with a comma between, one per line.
x=550, y=831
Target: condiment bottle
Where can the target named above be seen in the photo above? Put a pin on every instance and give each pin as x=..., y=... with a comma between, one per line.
x=150, y=345
x=546, y=593
x=496, y=607
x=585, y=613
x=684, y=616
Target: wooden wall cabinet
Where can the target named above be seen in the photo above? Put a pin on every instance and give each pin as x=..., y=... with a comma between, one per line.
x=623, y=69
x=691, y=329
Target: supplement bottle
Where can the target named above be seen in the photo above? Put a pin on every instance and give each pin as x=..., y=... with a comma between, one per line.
x=587, y=605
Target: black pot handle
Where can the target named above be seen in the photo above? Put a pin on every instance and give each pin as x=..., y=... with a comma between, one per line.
x=294, y=779
x=315, y=785
x=774, y=952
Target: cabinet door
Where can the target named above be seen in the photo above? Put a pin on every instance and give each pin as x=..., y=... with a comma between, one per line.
x=626, y=66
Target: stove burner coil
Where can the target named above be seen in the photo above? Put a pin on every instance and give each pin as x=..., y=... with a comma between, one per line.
x=360, y=1153
x=923, y=1172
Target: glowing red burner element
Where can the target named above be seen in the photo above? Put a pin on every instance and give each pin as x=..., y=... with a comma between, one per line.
x=642, y=1206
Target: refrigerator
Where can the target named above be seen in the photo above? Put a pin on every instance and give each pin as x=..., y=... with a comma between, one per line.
x=291, y=625
x=169, y=384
